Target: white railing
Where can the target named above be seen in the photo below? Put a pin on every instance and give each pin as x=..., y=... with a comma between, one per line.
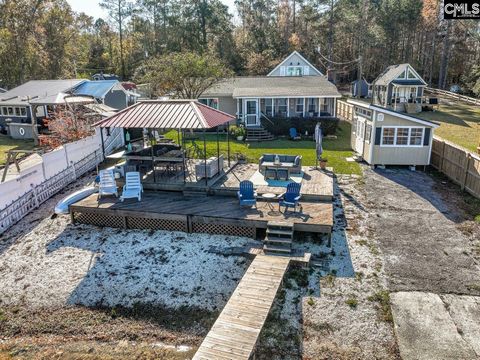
x=471, y=100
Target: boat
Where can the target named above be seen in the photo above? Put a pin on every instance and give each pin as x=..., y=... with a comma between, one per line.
x=62, y=205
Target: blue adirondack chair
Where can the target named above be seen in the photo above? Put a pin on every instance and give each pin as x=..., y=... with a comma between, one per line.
x=294, y=135
x=291, y=197
x=247, y=195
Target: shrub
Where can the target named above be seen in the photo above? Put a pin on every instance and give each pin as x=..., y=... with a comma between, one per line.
x=237, y=131
x=352, y=302
x=281, y=125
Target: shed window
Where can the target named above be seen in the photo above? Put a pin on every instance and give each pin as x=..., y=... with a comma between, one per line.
x=402, y=136
x=354, y=125
x=4, y=111
x=23, y=111
x=388, y=136
x=10, y=110
x=368, y=132
x=416, y=135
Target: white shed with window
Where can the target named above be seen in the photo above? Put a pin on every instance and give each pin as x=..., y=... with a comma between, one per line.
x=386, y=137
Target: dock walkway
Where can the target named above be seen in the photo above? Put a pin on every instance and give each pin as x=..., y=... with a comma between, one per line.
x=235, y=333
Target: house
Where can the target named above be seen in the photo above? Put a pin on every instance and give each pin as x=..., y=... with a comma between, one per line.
x=362, y=87
x=383, y=136
x=399, y=88
x=18, y=104
x=107, y=92
x=294, y=88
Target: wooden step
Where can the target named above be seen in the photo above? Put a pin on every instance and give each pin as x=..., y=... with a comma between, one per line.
x=277, y=249
x=277, y=231
x=278, y=240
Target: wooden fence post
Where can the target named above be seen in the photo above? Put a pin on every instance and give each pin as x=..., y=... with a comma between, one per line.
x=467, y=167
x=35, y=195
x=442, y=157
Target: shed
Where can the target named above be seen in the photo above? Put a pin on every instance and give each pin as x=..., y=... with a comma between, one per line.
x=364, y=88
x=386, y=137
x=108, y=92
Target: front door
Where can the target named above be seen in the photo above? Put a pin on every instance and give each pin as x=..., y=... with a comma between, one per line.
x=359, y=135
x=251, y=112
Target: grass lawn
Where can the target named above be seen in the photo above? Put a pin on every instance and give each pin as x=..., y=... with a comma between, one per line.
x=459, y=123
x=335, y=150
x=6, y=143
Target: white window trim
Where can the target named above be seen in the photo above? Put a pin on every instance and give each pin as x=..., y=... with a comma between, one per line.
x=395, y=136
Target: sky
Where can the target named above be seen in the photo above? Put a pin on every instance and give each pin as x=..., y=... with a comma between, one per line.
x=91, y=7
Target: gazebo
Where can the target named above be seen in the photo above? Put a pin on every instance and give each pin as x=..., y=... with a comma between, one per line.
x=184, y=116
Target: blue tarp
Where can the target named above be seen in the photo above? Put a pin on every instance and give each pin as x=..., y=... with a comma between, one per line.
x=98, y=89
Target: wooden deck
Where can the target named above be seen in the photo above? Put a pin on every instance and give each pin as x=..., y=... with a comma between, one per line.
x=235, y=333
x=211, y=214
x=317, y=185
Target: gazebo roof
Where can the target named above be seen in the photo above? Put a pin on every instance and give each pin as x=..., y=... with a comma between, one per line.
x=167, y=114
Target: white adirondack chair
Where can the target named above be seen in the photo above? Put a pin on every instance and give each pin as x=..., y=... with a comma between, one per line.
x=107, y=185
x=133, y=187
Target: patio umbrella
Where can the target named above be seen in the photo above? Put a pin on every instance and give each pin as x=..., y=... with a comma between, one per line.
x=318, y=142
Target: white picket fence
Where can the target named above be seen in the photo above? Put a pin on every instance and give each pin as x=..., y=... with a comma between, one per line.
x=60, y=167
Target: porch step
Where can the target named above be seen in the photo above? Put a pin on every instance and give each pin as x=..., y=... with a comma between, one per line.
x=277, y=240
x=258, y=134
x=275, y=232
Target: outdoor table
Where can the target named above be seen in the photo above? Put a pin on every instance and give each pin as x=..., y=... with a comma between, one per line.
x=269, y=199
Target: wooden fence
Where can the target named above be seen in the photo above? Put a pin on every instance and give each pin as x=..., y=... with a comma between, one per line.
x=468, y=99
x=458, y=164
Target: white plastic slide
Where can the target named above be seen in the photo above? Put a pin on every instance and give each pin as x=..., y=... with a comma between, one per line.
x=62, y=205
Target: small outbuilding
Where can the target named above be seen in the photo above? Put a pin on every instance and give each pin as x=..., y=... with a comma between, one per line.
x=386, y=137
x=362, y=87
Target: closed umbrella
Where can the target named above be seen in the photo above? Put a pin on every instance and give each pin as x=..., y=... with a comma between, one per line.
x=318, y=142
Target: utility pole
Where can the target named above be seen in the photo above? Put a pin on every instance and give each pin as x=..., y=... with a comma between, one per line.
x=359, y=78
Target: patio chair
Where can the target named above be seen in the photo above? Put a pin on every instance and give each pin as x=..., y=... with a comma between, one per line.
x=247, y=195
x=291, y=197
x=107, y=184
x=133, y=187
x=294, y=135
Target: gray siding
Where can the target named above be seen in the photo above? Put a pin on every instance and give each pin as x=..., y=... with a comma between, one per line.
x=116, y=99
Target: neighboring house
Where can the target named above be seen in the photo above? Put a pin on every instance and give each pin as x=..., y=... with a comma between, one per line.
x=108, y=92
x=362, y=87
x=385, y=137
x=286, y=92
x=18, y=104
x=400, y=88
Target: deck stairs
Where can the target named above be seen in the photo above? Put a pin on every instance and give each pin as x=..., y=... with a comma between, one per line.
x=258, y=133
x=279, y=238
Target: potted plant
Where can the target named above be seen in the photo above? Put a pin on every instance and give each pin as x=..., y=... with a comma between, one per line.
x=323, y=163
x=239, y=132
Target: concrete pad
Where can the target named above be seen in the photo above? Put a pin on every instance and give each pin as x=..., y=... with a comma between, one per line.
x=425, y=330
x=465, y=312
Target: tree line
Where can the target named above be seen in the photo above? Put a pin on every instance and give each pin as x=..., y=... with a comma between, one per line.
x=45, y=39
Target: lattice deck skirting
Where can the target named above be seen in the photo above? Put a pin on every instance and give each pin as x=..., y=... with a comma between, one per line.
x=156, y=224
x=127, y=222
x=224, y=229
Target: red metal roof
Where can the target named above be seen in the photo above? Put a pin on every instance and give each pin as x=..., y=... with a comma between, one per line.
x=167, y=114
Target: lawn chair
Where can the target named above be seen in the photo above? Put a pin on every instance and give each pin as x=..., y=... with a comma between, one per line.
x=133, y=187
x=291, y=197
x=246, y=195
x=294, y=135
x=107, y=184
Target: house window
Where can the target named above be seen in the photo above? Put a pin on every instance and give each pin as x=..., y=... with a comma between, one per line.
x=10, y=111
x=281, y=107
x=4, y=111
x=23, y=111
x=388, y=136
x=411, y=75
x=311, y=105
x=416, y=136
x=269, y=107
x=294, y=71
x=299, y=106
x=363, y=112
x=402, y=136
x=212, y=102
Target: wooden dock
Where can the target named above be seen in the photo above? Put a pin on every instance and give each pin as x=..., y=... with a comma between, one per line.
x=235, y=333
